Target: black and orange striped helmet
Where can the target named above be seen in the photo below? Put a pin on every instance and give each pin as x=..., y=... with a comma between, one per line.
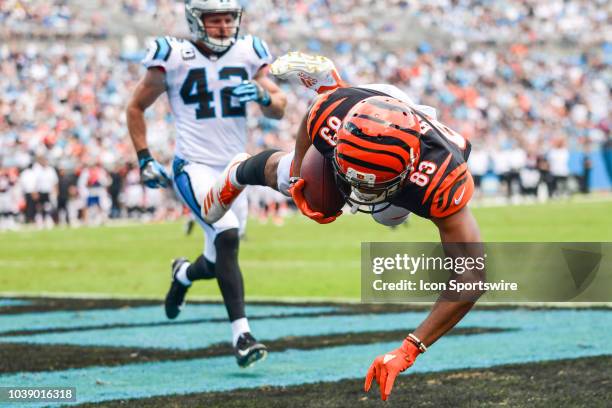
x=376, y=149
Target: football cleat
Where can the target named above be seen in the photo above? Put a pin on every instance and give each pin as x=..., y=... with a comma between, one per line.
x=314, y=72
x=222, y=194
x=248, y=351
x=175, y=298
x=189, y=226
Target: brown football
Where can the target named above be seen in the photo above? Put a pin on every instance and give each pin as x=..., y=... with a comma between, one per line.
x=320, y=190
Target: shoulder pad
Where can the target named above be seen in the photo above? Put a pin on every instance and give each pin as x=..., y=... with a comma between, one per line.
x=164, y=51
x=260, y=48
x=163, y=48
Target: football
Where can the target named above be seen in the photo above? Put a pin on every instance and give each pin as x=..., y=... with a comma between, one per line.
x=320, y=190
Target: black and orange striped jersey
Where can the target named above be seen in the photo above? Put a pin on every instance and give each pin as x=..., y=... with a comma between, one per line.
x=326, y=114
x=439, y=184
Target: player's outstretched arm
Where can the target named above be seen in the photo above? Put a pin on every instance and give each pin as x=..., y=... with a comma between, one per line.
x=150, y=87
x=460, y=236
x=302, y=143
x=275, y=108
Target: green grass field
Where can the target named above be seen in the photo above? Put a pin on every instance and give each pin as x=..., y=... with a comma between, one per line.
x=300, y=260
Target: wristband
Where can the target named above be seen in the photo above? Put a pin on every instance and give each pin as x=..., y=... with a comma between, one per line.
x=143, y=154
x=415, y=340
x=264, y=99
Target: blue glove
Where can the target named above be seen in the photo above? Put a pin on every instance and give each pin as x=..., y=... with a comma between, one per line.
x=152, y=174
x=249, y=91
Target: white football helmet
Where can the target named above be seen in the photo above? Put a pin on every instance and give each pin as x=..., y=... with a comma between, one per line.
x=195, y=11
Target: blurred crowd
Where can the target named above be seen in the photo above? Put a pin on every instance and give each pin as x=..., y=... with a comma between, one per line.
x=342, y=23
x=579, y=21
x=44, y=196
x=527, y=82
x=49, y=20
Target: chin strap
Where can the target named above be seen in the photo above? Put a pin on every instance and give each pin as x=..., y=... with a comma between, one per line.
x=355, y=208
x=356, y=204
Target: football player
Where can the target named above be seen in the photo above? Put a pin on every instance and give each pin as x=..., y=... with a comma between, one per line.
x=391, y=157
x=209, y=79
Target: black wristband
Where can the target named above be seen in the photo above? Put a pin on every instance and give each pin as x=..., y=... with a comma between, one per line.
x=143, y=154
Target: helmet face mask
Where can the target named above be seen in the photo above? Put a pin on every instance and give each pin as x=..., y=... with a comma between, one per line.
x=196, y=12
x=362, y=193
x=376, y=149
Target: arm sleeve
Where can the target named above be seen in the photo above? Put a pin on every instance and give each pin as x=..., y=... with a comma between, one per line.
x=313, y=127
x=454, y=192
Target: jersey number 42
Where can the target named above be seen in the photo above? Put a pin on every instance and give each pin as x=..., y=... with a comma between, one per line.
x=195, y=91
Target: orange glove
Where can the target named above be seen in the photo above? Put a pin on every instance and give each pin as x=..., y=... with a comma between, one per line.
x=386, y=367
x=297, y=194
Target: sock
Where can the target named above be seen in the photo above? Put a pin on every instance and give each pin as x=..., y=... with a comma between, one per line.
x=238, y=327
x=181, y=274
x=201, y=268
x=233, y=178
x=252, y=171
x=228, y=273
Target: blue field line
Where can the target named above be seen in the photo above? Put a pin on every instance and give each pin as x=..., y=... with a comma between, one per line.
x=200, y=335
x=14, y=302
x=542, y=335
x=136, y=315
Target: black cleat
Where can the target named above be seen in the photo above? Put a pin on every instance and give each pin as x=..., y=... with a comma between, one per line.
x=175, y=298
x=249, y=351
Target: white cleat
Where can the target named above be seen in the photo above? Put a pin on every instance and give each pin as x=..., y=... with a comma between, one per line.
x=314, y=72
x=222, y=194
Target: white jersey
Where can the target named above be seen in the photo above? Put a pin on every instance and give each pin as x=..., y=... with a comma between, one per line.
x=210, y=123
